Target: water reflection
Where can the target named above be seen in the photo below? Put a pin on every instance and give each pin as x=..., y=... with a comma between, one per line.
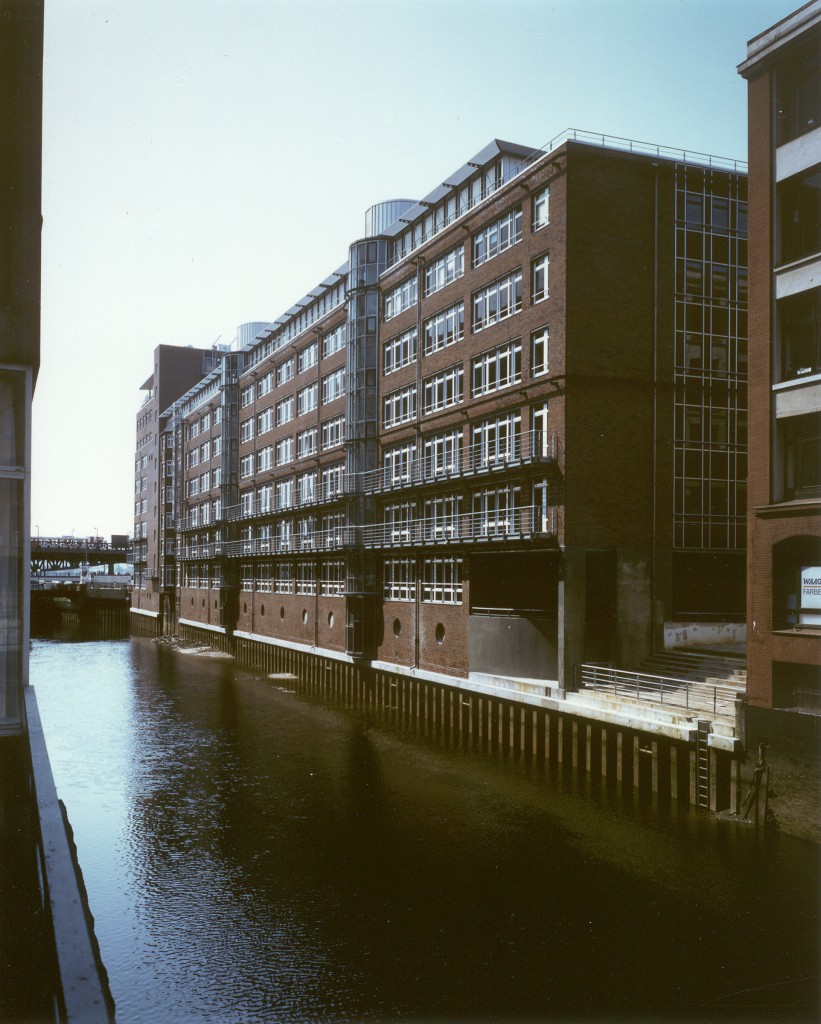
x=253, y=855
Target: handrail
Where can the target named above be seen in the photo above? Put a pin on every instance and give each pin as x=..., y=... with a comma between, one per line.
x=525, y=520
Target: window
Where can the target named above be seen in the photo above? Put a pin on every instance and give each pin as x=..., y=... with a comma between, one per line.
x=285, y=451
x=333, y=432
x=217, y=476
x=333, y=386
x=443, y=453
x=265, y=384
x=194, y=428
x=399, y=351
x=445, y=328
x=217, y=446
x=799, y=319
x=246, y=573
x=397, y=520
x=308, y=357
x=205, y=452
x=285, y=371
x=399, y=579
x=332, y=579
x=399, y=406
x=246, y=504
x=442, y=390
x=800, y=202
x=265, y=459
x=305, y=578
x=264, y=583
x=442, y=516
x=265, y=421
x=400, y=298
x=538, y=352
x=306, y=443
x=496, y=369
x=264, y=496
x=496, y=440
x=538, y=278
x=306, y=399
x=446, y=269
x=217, y=416
x=497, y=237
x=442, y=580
x=284, y=490
x=246, y=430
x=285, y=410
x=306, y=488
x=541, y=209
x=541, y=437
x=398, y=463
x=334, y=341
x=332, y=530
x=497, y=301
x=205, y=482
x=306, y=533
x=205, y=422
x=283, y=574
x=246, y=398
x=246, y=467
x=333, y=480
x=496, y=510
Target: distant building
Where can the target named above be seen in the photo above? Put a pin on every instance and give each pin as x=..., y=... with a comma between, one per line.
x=783, y=71
x=505, y=437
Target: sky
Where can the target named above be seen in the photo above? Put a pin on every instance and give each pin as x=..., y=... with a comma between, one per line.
x=207, y=162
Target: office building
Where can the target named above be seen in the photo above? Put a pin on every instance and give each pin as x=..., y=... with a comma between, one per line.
x=783, y=73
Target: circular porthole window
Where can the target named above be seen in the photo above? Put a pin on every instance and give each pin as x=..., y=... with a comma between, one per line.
x=440, y=633
x=397, y=627
x=331, y=620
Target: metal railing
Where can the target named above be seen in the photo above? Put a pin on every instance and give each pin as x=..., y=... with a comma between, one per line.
x=517, y=523
x=690, y=697
x=531, y=446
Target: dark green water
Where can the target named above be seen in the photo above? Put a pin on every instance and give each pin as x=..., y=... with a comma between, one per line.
x=252, y=855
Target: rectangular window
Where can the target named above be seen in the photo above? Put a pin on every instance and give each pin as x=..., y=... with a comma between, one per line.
x=333, y=386
x=398, y=463
x=446, y=269
x=246, y=398
x=538, y=352
x=306, y=533
x=495, y=511
x=333, y=481
x=205, y=482
x=305, y=578
x=285, y=451
x=400, y=298
x=306, y=399
x=541, y=209
x=194, y=428
x=283, y=577
x=399, y=351
x=496, y=369
x=496, y=440
x=308, y=357
x=443, y=453
x=497, y=301
x=246, y=504
x=205, y=452
x=332, y=530
x=264, y=496
x=205, y=422
x=265, y=384
x=284, y=491
x=442, y=580
x=445, y=328
x=334, y=341
x=333, y=432
x=442, y=517
x=285, y=410
x=264, y=584
x=246, y=430
x=306, y=443
x=498, y=236
x=285, y=372
x=265, y=422
x=332, y=578
x=246, y=467
x=538, y=278
x=442, y=390
x=399, y=579
x=397, y=520
x=246, y=574
x=285, y=535
x=306, y=488
x=265, y=459
x=399, y=406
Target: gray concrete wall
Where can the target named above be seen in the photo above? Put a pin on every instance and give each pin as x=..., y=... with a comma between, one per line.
x=509, y=645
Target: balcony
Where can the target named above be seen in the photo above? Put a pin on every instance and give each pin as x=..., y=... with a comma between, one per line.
x=531, y=448
x=527, y=523
x=317, y=540
x=254, y=509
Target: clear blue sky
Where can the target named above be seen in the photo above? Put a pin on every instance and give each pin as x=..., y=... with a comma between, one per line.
x=206, y=162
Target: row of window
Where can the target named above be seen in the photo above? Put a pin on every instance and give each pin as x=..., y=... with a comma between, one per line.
x=204, y=423
x=440, y=580
x=491, y=371
x=332, y=433
x=330, y=299
x=307, y=487
x=204, y=482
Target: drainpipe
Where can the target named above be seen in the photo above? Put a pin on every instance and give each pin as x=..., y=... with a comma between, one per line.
x=420, y=262
x=653, y=565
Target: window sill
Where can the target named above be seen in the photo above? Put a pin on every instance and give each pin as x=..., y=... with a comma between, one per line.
x=795, y=507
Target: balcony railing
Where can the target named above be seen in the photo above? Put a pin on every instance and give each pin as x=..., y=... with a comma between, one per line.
x=316, y=540
x=527, y=448
x=254, y=509
x=524, y=523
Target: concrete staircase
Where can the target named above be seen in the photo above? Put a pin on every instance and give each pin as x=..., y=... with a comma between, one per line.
x=711, y=667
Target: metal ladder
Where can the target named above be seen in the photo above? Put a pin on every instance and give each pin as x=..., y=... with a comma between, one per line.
x=703, y=764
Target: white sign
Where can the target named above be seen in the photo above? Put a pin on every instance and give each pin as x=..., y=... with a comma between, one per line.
x=811, y=587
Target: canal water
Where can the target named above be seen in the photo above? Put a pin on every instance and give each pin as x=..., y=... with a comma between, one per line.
x=254, y=855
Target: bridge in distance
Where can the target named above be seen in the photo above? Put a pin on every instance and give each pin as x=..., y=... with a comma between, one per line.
x=50, y=554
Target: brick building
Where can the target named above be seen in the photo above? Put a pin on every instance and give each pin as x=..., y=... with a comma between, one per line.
x=783, y=72
x=508, y=435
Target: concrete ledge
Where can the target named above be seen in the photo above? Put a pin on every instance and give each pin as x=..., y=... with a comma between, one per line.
x=84, y=995
x=320, y=652
x=202, y=625
x=142, y=611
